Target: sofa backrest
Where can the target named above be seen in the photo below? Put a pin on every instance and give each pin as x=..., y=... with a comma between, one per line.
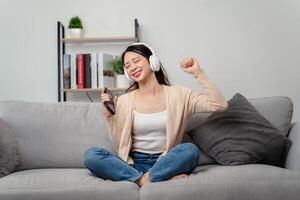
x=58, y=134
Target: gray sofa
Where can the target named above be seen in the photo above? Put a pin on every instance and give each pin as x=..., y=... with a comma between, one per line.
x=54, y=136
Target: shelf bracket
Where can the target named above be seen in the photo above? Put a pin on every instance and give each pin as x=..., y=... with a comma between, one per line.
x=136, y=30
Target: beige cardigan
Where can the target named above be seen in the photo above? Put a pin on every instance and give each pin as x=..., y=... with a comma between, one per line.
x=181, y=103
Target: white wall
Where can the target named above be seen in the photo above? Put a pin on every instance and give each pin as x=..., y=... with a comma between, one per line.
x=248, y=46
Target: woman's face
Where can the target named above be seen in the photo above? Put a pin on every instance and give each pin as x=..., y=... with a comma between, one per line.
x=136, y=66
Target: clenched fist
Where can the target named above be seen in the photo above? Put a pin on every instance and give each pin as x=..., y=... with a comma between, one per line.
x=190, y=65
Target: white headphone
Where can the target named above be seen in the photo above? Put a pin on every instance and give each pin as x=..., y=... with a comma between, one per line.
x=153, y=59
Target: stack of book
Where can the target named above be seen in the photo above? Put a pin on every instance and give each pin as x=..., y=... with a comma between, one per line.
x=88, y=70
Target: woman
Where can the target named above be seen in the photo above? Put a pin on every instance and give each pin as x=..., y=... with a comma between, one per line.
x=150, y=119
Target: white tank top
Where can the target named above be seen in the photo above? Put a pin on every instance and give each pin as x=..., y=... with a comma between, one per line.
x=149, y=132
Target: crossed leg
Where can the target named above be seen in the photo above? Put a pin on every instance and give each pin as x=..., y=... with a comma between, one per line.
x=178, y=163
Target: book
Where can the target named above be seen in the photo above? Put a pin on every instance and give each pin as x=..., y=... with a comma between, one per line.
x=73, y=71
x=87, y=72
x=80, y=71
x=94, y=75
x=66, y=71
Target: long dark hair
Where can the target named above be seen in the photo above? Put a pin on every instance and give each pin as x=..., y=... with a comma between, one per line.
x=141, y=49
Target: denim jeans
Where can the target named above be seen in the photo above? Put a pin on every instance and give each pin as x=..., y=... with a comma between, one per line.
x=182, y=158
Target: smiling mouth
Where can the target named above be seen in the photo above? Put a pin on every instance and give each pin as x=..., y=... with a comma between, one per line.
x=137, y=74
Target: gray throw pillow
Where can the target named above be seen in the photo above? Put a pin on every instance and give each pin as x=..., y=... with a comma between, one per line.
x=241, y=135
x=204, y=158
x=9, y=150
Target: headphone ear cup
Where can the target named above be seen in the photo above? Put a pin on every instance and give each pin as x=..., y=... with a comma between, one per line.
x=154, y=63
x=127, y=76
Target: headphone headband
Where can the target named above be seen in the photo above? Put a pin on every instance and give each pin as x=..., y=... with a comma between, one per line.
x=148, y=46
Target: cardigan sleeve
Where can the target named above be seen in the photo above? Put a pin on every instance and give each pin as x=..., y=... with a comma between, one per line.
x=211, y=100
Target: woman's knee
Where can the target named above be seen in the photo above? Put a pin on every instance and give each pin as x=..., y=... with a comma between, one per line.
x=190, y=149
x=94, y=153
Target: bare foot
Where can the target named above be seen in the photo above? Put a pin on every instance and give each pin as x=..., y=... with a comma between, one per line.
x=179, y=176
x=143, y=180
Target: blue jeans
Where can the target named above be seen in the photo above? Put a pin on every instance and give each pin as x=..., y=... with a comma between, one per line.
x=183, y=158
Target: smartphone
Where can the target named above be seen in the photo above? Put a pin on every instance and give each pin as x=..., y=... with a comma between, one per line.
x=110, y=105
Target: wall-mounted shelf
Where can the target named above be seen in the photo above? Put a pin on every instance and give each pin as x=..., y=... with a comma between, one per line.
x=92, y=89
x=104, y=39
x=61, y=45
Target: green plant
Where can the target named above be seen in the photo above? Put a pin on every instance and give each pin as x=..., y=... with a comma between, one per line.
x=75, y=22
x=117, y=65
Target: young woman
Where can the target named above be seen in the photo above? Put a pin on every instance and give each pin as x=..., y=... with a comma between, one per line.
x=150, y=119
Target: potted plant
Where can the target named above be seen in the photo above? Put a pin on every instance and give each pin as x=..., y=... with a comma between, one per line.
x=75, y=27
x=117, y=67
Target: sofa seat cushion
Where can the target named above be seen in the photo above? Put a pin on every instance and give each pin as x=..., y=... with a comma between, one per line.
x=216, y=182
x=59, y=183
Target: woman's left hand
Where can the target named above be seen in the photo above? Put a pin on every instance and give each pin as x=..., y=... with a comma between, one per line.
x=191, y=66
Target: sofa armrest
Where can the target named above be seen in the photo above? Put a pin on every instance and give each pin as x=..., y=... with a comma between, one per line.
x=293, y=156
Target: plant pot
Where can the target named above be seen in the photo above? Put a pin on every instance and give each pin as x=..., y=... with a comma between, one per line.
x=75, y=32
x=122, y=81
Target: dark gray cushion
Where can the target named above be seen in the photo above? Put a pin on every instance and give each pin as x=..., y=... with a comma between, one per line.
x=204, y=158
x=278, y=110
x=241, y=135
x=9, y=150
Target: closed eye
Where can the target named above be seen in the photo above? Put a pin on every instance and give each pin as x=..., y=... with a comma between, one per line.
x=135, y=60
